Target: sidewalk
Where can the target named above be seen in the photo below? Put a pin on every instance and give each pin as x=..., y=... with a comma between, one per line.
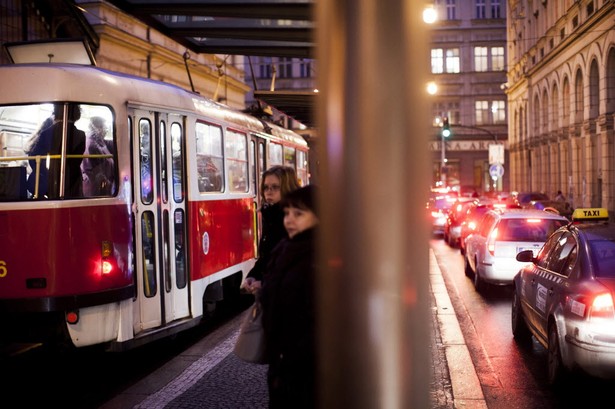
x=467, y=391
x=203, y=377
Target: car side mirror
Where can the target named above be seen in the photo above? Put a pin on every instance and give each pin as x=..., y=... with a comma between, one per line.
x=525, y=256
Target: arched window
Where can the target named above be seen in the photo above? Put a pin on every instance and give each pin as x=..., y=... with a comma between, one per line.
x=546, y=125
x=553, y=111
x=610, y=82
x=536, y=122
x=578, y=97
x=566, y=103
x=594, y=91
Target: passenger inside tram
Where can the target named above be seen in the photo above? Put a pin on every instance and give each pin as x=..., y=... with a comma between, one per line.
x=46, y=143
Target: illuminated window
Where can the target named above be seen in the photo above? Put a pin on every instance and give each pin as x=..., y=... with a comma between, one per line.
x=497, y=58
x=452, y=60
x=480, y=59
x=236, y=150
x=209, y=157
x=437, y=61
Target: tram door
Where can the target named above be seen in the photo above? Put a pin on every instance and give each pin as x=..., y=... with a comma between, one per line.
x=160, y=218
x=257, y=162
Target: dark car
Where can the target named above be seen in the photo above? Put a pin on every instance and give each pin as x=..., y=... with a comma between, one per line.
x=470, y=221
x=541, y=201
x=564, y=297
x=454, y=218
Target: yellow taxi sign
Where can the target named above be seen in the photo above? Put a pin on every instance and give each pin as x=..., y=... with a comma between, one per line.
x=593, y=213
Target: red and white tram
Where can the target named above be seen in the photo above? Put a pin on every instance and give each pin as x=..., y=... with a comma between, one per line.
x=150, y=230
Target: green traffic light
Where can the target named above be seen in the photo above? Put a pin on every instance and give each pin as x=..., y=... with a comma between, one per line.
x=446, y=131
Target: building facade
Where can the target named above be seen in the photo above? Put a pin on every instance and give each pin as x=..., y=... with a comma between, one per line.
x=468, y=67
x=122, y=43
x=561, y=96
x=284, y=74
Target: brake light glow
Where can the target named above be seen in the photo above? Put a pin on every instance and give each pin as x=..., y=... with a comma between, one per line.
x=602, y=307
x=533, y=220
x=472, y=225
x=491, y=241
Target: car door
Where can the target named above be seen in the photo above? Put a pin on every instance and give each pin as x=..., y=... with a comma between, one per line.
x=552, y=282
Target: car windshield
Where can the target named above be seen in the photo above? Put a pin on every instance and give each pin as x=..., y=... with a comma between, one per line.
x=530, y=197
x=534, y=230
x=441, y=203
x=603, y=257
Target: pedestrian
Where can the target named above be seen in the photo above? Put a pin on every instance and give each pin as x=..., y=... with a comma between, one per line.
x=560, y=197
x=276, y=182
x=97, y=171
x=289, y=310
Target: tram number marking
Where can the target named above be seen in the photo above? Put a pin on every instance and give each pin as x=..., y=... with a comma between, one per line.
x=3, y=270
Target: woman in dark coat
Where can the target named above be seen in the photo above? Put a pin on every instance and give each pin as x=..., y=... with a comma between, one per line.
x=289, y=308
x=277, y=181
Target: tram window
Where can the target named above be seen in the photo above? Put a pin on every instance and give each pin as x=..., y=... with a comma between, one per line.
x=253, y=179
x=178, y=159
x=237, y=156
x=261, y=158
x=98, y=166
x=180, y=249
x=163, y=163
x=31, y=142
x=275, y=154
x=166, y=251
x=209, y=157
x=302, y=171
x=149, y=254
x=145, y=161
x=289, y=156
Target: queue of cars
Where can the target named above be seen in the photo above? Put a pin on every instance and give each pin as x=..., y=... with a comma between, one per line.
x=561, y=268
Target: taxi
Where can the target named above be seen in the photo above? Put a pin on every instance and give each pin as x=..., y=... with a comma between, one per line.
x=564, y=297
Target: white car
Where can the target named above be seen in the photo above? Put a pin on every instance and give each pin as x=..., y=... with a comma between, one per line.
x=491, y=250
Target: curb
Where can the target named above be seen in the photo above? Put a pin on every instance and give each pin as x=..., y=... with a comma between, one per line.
x=467, y=390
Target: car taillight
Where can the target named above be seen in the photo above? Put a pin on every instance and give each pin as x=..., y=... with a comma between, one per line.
x=491, y=241
x=602, y=307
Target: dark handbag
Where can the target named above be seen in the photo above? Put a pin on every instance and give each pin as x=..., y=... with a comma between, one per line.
x=250, y=344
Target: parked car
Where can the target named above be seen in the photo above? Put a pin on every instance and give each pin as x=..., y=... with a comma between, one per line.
x=564, y=297
x=491, y=250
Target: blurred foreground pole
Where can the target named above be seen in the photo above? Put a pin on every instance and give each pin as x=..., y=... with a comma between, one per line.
x=373, y=119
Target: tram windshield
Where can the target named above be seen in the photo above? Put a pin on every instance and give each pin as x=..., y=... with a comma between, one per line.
x=57, y=150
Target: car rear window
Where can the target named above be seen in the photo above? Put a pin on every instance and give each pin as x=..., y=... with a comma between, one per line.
x=603, y=257
x=527, y=229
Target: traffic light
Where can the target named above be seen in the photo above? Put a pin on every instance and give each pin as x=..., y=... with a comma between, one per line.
x=446, y=130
